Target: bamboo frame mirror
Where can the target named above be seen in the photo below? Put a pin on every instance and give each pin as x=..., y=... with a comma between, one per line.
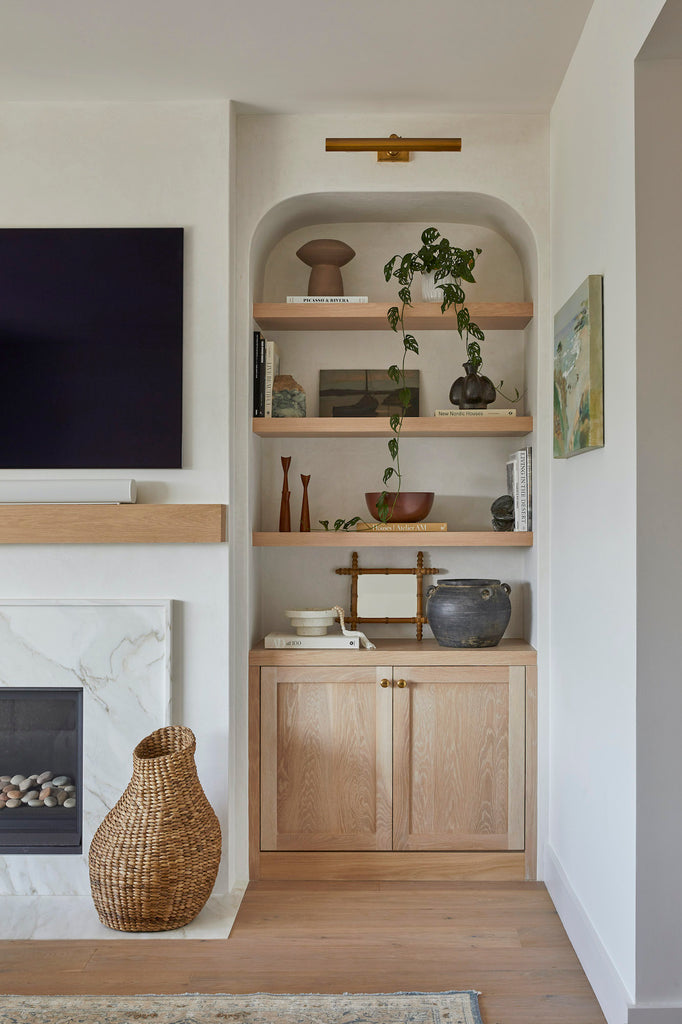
x=418, y=571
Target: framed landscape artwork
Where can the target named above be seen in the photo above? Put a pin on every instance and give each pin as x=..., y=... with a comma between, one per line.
x=365, y=393
x=578, y=372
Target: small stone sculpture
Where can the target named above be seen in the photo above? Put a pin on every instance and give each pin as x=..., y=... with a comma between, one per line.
x=503, y=513
x=288, y=397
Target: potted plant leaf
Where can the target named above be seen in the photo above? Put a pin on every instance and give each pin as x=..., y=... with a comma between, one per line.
x=450, y=266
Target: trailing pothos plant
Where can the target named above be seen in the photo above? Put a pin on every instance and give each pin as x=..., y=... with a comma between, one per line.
x=451, y=266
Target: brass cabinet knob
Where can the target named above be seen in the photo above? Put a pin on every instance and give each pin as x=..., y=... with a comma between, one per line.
x=385, y=683
x=402, y=683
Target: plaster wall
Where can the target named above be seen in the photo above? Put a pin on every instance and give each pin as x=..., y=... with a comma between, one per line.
x=157, y=164
x=285, y=182
x=593, y=758
x=659, y=558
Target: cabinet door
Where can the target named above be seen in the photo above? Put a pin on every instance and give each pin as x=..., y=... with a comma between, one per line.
x=458, y=759
x=325, y=759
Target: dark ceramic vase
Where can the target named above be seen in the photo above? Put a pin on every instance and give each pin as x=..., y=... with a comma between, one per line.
x=474, y=391
x=468, y=613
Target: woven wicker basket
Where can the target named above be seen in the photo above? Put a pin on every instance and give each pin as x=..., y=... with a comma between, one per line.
x=154, y=859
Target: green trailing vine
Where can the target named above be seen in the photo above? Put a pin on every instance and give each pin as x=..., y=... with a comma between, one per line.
x=340, y=524
x=448, y=262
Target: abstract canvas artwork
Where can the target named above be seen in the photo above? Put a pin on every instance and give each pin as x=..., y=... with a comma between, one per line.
x=578, y=372
x=365, y=393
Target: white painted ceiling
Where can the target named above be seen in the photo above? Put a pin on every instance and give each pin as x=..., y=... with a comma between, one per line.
x=293, y=56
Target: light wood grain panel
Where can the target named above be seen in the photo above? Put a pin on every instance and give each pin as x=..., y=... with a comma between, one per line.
x=325, y=766
x=254, y=771
x=379, y=426
x=452, y=762
x=371, y=316
x=269, y=751
x=516, y=795
x=402, y=650
x=112, y=524
x=384, y=759
x=314, y=673
x=531, y=770
x=370, y=539
x=480, y=866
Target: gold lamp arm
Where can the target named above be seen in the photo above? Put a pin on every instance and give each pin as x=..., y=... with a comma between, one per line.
x=394, y=148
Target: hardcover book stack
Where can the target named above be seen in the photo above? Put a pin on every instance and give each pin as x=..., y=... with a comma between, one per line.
x=265, y=369
x=475, y=412
x=292, y=641
x=427, y=527
x=338, y=299
x=520, y=487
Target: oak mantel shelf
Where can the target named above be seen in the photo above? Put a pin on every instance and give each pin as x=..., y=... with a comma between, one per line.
x=379, y=426
x=355, y=539
x=112, y=524
x=371, y=316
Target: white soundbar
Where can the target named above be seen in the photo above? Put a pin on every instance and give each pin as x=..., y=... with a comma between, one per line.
x=59, y=492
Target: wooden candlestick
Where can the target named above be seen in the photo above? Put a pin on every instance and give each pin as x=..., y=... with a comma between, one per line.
x=304, y=526
x=284, y=509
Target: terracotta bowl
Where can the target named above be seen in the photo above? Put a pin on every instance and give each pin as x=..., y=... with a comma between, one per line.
x=410, y=506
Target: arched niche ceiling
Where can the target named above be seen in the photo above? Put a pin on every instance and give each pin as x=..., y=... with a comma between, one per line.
x=410, y=207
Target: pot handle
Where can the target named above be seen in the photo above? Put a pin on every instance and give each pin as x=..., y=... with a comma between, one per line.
x=429, y=591
x=506, y=588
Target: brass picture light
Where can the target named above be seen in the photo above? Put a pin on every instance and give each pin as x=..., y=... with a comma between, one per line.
x=394, y=148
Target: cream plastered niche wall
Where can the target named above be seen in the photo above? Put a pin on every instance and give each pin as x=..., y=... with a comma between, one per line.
x=465, y=474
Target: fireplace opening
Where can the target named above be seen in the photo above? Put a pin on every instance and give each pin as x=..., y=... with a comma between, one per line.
x=41, y=769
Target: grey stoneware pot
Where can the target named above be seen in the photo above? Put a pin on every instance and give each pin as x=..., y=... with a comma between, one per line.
x=468, y=613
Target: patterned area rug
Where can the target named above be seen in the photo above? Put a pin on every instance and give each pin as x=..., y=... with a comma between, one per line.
x=383, y=1008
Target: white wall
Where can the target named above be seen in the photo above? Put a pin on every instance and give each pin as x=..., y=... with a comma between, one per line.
x=166, y=164
x=286, y=181
x=659, y=558
x=591, y=859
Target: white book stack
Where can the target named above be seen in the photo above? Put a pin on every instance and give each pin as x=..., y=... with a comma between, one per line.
x=293, y=640
x=519, y=485
x=338, y=299
x=271, y=371
x=475, y=412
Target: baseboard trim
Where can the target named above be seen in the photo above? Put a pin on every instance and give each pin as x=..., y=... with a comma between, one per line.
x=601, y=972
x=353, y=865
x=655, y=1014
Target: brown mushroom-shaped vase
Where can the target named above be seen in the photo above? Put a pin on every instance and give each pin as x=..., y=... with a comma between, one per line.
x=325, y=256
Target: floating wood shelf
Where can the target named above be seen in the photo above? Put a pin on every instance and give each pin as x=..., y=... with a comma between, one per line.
x=413, y=426
x=371, y=316
x=112, y=524
x=370, y=539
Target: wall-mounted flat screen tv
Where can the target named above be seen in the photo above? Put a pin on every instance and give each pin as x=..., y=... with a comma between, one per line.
x=91, y=348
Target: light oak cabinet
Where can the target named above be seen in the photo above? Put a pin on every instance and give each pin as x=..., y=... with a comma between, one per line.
x=325, y=759
x=393, y=770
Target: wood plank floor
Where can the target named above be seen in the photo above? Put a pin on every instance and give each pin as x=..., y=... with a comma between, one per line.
x=504, y=939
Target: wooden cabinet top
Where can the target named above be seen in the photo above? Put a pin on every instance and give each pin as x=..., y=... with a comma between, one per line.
x=402, y=651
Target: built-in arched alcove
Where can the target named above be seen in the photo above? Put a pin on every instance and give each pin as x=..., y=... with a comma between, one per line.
x=466, y=473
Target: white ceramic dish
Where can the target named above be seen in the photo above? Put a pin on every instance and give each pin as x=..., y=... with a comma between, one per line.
x=311, y=621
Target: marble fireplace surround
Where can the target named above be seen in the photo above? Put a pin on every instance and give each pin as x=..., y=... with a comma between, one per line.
x=119, y=652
